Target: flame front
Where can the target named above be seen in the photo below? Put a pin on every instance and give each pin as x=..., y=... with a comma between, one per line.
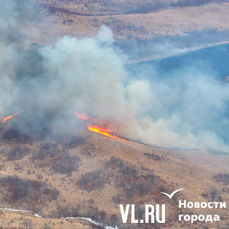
x=104, y=132
x=98, y=129
x=8, y=117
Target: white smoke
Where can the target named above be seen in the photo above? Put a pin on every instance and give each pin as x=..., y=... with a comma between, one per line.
x=90, y=77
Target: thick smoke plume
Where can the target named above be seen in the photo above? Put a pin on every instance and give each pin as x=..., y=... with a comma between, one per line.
x=187, y=109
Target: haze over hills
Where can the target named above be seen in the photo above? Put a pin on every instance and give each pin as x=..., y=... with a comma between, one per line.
x=54, y=168
x=150, y=27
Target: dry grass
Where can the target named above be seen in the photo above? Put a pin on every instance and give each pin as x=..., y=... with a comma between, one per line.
x=167, y=22
x=25, y=220
x=93, y=174
x=119, y=168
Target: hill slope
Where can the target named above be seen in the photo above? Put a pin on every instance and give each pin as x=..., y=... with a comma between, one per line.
x=89, y=175
x=140, y=28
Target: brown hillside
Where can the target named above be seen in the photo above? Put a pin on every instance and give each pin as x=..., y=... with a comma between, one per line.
x=57, y=174
x=135, y=24
x=89, y=175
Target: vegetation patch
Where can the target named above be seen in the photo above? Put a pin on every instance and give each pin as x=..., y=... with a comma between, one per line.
x=72, y=142
x=57, y=159
x=123, y=167
x=66, y=165
x=153, y=156
x=15, y=136
x=17, y=153
x=92, y=181
x=222, y=178
x=26, y=192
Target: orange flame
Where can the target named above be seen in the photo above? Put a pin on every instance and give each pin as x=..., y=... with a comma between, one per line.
x=98, y=129
x=8, y=117
x=84, y=117
x=104, y=132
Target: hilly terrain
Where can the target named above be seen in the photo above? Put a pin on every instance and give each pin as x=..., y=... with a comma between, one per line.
x=140, y=28
x=85, y=174
x=65, y=176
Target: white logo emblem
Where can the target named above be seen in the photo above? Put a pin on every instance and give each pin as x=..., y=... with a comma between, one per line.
x=173, y=193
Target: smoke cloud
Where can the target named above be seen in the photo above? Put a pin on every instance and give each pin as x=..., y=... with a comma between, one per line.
x=187, y=109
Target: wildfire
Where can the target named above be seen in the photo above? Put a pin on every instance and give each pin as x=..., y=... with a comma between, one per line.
x=84, y=117
x=98, y=129
x=8, y=117
x=104, y=132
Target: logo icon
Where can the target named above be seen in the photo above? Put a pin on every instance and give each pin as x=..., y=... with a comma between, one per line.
x=173, y=193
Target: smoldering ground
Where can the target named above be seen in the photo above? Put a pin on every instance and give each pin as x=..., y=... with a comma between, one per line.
x=187, y=109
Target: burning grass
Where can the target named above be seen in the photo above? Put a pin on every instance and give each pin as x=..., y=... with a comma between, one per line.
x=98, y=129
x=105, y=132
x=8, y=117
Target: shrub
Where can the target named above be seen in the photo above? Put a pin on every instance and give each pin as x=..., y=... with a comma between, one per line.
x=27, y=191
x=222, y=177
x=66, y=165
x=123, y=167
x=16, y=153
x=14, y=135
x=92, y=181
x=72, y=142
x=152, y=156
